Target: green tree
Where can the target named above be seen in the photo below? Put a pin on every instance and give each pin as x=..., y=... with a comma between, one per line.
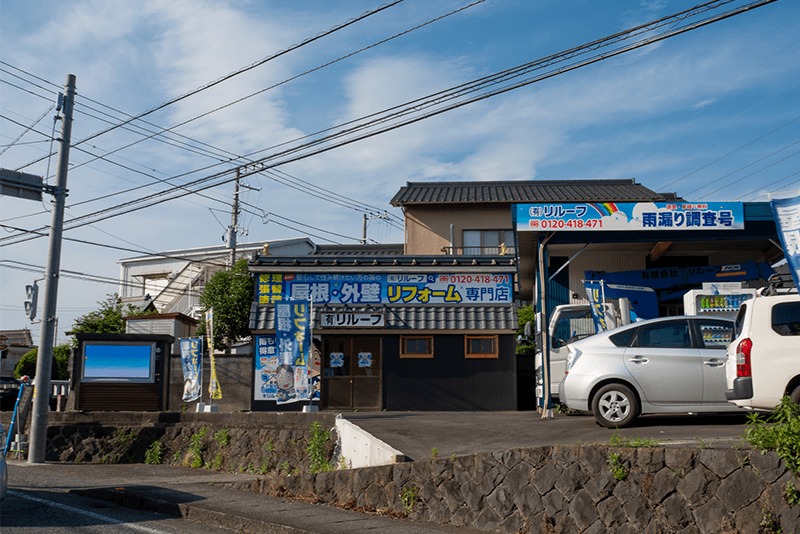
x=525, y=346
x=60, y=368
x=105, y=320
x=230, y=294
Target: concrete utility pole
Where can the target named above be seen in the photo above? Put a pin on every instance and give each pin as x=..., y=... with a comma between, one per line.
x=234, y=220
x=44, y=361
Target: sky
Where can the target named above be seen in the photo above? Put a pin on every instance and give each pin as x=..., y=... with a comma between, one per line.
x=711, y=114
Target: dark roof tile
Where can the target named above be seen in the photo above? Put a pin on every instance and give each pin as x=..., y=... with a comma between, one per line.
x=505, y=192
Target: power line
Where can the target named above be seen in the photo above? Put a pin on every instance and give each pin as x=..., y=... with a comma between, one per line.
x=409, y=113
x=242, y=70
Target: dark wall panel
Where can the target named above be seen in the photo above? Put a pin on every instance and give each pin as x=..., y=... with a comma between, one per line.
x=448, y=381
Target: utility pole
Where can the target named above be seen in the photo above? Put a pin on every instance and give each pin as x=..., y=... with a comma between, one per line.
x=234, y=220
x=44, y=361
x=364, y=231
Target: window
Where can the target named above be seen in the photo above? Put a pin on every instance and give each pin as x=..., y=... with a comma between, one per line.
x=416, y=347
x=664, y=334
x=480, y=347
x=716, y=334
x=786, y=319
x=488, y=242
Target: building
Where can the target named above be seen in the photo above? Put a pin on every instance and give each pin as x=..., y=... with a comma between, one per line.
x=172, y=281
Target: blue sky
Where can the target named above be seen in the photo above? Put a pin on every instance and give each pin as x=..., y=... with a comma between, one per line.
x=712, y=114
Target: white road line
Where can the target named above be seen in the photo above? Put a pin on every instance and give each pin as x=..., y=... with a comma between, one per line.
x=93, y=515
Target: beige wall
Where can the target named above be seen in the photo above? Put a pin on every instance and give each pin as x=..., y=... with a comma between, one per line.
x=428, y=228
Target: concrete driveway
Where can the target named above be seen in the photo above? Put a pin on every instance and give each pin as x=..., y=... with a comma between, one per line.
x=420, y=435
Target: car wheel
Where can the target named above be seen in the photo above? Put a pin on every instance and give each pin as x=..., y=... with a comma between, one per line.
x=615, y=405
x=795, y=395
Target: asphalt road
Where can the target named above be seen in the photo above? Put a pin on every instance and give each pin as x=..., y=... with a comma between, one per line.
x=420, y=435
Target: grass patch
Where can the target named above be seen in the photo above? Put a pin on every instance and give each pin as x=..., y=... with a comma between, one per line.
x=636, y=443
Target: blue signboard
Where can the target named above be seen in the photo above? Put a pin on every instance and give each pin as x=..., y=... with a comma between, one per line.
x=626, y=216
x=344, y=288
x=787, y=219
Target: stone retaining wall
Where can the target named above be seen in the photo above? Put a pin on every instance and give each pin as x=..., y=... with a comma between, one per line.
x=560, y=489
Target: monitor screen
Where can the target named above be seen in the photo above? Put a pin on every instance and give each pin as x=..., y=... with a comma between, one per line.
x=110, y=361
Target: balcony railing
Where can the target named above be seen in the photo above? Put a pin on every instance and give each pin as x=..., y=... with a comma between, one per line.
x=501, y=250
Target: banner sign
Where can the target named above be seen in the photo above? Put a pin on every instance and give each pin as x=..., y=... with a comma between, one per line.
x=787, y=220
x=293, y=339
x=192, y=363
x=347, y=319
x=622, y=216
x=594, y=292
x=344, y=288
x=214, y=389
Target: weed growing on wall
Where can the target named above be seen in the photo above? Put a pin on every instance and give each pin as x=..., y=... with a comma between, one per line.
x=779, y=432
x=618, y=441
x=408, y=497
x=618, y=469
x=154, y=453
x=197, y=447
x=222, y=437
x=317, y=454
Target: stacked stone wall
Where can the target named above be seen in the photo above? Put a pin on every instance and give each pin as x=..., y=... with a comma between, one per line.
x=558, y=489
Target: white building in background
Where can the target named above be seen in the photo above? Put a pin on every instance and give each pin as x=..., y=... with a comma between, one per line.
x=173, y=281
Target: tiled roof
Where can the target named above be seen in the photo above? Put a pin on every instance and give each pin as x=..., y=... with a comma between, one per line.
x=418, y=263
x=391, y=249
x=407, y=317
x=531, y=191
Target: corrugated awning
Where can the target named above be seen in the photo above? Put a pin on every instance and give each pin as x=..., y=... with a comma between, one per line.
x=406, y=317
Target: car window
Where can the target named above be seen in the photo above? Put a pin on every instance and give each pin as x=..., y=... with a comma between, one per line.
x=716, y=334
x=664, y=334
x=624, y=338
x=786, y=318
x=739, y=322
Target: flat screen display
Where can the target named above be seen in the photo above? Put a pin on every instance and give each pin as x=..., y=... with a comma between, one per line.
x=118, y=362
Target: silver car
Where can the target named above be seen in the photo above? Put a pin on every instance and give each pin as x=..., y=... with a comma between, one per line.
x=667, y=365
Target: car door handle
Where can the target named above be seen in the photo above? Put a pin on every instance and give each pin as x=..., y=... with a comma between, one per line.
x=714, y=363
x=638, y=359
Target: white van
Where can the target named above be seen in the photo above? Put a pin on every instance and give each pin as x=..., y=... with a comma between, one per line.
x=764, y=357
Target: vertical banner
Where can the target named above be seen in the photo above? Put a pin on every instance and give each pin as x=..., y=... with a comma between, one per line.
x=266, y=365
x=214, y=389
x=787, y=219
x=192, y=363
x=594, y=292
x=292, y=335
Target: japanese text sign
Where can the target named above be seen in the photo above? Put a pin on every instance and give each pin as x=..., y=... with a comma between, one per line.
x=621, y=216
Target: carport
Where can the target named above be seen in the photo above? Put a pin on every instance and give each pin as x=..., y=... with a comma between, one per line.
x=559, y=243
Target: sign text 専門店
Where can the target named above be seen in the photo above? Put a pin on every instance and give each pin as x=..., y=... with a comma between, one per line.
x=347, y=288
x=621, y=216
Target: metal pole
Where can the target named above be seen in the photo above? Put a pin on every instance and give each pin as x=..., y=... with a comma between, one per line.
x=44, y=361
x=234, y=220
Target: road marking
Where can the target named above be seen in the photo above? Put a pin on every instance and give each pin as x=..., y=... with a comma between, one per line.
x=93, y=515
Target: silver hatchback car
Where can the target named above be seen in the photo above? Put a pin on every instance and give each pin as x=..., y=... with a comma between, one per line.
x=668, y=365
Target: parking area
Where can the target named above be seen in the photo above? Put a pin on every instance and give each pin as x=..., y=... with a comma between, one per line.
x=421, y=435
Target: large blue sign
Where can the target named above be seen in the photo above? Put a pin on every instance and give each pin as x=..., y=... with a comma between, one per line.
x=344, y=288
x=621, y=216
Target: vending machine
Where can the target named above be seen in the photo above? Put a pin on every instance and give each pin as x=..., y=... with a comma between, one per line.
x=717, y=299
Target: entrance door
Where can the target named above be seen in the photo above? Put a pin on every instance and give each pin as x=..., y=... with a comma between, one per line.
x=351, y=376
